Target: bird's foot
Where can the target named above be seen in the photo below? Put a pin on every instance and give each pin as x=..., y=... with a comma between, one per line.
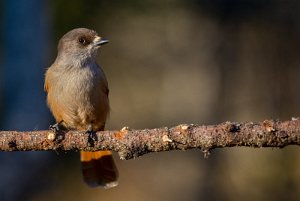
x=56, y=134
x=54, y=127
x=92, y=136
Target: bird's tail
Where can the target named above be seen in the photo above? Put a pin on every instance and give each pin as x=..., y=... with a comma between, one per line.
x=99, y=169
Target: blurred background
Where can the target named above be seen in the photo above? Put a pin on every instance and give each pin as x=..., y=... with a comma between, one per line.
x=168, y=62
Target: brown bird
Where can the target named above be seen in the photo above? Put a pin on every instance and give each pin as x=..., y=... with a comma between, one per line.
x=78, y=98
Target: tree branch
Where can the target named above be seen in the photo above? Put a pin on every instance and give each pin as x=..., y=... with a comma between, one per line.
x=133, y=143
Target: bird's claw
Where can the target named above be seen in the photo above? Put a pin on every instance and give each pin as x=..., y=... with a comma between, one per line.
x=54, y=127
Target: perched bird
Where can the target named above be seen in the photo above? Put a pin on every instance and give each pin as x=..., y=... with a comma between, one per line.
x=77, y=94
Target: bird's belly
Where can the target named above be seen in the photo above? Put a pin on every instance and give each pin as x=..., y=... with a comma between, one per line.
x=79, y=103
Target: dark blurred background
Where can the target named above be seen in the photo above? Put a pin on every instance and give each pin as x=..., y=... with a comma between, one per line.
x=168, y=62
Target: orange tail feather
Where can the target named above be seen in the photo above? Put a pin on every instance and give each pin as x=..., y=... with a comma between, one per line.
x=99, y=169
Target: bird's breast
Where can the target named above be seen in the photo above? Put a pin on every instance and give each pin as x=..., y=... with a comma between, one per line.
x=80, y=95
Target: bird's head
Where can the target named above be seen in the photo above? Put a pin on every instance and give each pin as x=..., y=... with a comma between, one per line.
x=80, y=45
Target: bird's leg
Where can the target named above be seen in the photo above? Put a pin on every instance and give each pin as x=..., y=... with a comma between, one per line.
x=89, y=129
x=55, y=127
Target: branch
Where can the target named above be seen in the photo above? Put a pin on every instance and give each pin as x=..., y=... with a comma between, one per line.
x=133, y=143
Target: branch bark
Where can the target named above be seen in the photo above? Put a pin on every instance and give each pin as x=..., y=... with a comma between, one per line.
x=133, y=143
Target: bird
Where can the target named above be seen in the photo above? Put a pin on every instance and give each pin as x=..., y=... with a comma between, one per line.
x=77, y=95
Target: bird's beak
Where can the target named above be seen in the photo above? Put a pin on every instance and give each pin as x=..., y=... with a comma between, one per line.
x=100, y=41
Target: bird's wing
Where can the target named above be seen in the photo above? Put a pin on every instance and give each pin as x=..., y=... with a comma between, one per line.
x=46, y=84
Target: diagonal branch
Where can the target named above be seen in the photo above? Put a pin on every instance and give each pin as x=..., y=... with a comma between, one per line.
x=133, y=143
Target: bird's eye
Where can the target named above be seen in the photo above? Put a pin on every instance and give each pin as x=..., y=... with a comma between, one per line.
x=82, y=41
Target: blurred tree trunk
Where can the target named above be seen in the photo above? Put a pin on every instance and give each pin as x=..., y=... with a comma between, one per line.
x=26, y=40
